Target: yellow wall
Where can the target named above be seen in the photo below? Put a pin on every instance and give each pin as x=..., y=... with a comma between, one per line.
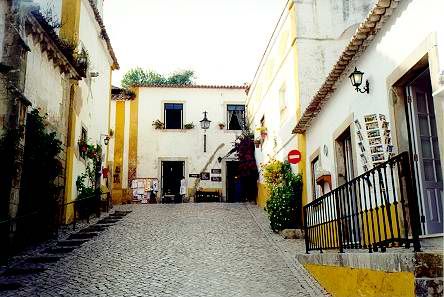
x=70, y=20
x=351, y=282
x=133, y=133
x=118, y=151
x=262, y=195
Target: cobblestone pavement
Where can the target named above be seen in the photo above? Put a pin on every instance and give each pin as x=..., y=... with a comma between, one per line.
x=177, y=250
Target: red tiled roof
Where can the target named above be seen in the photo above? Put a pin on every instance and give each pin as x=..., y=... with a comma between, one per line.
x=361, y=39
x=191, y=86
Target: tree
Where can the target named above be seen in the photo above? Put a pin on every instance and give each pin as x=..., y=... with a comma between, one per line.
x=138, y=76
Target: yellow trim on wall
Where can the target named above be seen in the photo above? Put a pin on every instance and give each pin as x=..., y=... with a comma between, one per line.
x=262, y=195
x=119, y=141
x=70, y=155
x=133, y=136
x=353, y=282
x=70, y=20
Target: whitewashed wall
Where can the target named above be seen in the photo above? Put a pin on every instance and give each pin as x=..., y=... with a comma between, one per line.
x=324, y=27
x=3, y=7
x=44, y=86
x=95, y=91
x=400, y=36
x=155, y=145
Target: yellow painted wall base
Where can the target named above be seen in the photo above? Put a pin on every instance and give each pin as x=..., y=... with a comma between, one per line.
x=262, y=195
x=117, y=196
x=351, y=282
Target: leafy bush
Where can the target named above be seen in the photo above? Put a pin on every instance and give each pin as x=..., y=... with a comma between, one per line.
x=138, y=76
x=285, y=190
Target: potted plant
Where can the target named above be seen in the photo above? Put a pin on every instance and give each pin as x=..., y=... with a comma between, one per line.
x=91, y=151
x=189, y=126
x=221, y=126
x=263, y=132
x=83, y=146
x=257, y=143
x=158, y=125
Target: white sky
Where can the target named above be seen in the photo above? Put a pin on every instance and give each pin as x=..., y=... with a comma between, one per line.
x=221, y=40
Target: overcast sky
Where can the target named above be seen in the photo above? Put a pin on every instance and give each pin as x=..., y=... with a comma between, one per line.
x=221, y=40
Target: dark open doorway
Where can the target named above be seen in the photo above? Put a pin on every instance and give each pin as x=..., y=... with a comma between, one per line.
x=172, y=172
x=234, y=184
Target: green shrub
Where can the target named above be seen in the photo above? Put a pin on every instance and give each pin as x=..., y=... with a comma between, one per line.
x=285, y=190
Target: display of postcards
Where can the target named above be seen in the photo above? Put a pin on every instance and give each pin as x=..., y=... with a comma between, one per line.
x=373, y=133
x=378, y=157
x=370, y=126
x=377, y=163
x=375, y=141
x=370, y=118
x=388, y=140
x=386, y=132
x=385, y=125
x=377, y=149
x=361, y=138
x=358, y=125
x=389, y=149
x=363, y=159
x=361, y=146
x=382, y=118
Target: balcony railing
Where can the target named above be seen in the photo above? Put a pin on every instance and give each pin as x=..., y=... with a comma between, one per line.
x=375, y=210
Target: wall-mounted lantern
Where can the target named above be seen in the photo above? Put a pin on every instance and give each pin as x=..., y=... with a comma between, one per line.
x=205, y=124
x=356, y=81
x=106, y=138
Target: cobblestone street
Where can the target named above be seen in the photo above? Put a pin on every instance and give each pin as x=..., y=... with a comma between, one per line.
x=177, y=250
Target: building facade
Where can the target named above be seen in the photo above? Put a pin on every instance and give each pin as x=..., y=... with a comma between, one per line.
x=306, y=42
x=158, y=135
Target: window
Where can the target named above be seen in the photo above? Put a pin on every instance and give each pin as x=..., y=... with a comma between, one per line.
x=314, y=170
x=173, y=115
x=235, y=116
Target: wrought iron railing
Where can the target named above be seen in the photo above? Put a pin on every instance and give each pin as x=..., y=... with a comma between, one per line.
x=375, y=210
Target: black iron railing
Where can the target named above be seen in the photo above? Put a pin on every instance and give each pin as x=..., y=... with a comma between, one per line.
x=375, y=210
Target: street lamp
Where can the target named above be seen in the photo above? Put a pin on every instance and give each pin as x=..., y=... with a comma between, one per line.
x=205, y=124
x=356, y=81
x=105, y=139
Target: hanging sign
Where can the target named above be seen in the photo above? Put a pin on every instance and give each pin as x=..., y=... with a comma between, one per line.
x=216, y=178
x=216, y=171
x=205, y=176
x=196, y=175
x=294, y=157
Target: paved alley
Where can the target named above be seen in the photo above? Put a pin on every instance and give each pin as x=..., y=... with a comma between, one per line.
x=177, y=250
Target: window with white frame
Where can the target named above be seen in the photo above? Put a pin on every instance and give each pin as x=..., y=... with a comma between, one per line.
x=173, y=115
x=235, y=116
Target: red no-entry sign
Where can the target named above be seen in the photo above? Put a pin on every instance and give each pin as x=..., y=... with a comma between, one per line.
x=294, y=157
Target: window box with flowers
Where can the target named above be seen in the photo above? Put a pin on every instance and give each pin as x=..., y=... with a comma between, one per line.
x=263, y=132
x=83, y=147
x=189, y=126
x=158, y=125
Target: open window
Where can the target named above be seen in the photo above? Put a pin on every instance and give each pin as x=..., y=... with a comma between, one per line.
x=173, y=115
x=235, y=116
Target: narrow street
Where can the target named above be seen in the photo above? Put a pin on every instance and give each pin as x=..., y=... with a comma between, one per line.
x=178, y=250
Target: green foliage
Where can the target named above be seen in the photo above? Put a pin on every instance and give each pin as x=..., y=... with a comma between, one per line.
x=189, y=126
x=40, y=165
x=138, y=76
x=8, y=150
x=285, y=191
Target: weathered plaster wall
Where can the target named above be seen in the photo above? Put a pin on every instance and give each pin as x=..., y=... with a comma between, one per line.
x=400, y=37
x=323, y=30
x=3, y=7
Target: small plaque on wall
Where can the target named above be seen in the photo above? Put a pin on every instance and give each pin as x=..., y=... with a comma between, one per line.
x=205, y=176
x=216, y=178
x=195, y=175
x=216, y=171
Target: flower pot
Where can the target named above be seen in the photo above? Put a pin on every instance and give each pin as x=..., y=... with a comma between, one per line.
x=264, y=135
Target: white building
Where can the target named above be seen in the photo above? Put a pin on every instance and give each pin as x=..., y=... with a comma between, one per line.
x=179, y=147
x=305, y=44
x=403, y=62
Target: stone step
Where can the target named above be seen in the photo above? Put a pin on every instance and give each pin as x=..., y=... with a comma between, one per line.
x=43, y=259
x=103, y=225
x=60, y=250
x=9, y=286
x=93, y=228
x=83, y=235
x=15, y=271
x=122, y=212
x=108, y=221
x=72, y=242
